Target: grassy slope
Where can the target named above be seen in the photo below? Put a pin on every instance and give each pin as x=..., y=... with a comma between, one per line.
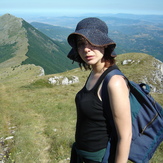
x=44, y=116
x=50, y=55
x=6, y=52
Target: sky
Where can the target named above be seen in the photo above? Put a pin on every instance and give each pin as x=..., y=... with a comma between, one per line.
x=79, y=7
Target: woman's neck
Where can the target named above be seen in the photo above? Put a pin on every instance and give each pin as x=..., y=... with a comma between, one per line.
x=99, y=69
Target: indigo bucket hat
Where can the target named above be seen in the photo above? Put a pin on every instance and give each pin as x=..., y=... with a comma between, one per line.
x=95, y=31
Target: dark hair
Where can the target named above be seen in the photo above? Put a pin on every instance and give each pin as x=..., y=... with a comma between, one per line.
x=108, y=58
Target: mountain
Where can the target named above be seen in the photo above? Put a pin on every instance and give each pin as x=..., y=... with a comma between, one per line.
x=132, y=33
x=22, y=44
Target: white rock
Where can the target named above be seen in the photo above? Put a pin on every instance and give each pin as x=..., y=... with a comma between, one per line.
x=65, y=81
x=8, y=138
x=52, y=81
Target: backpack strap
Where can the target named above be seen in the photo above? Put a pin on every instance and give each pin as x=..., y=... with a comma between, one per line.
x=110, y=74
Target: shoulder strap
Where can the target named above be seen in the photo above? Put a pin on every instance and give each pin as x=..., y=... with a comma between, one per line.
x=102, y=77
x=107, y=79
x=110, y=74
x=108, y=71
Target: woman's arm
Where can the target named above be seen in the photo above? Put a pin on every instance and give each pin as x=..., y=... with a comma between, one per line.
x=120, y=105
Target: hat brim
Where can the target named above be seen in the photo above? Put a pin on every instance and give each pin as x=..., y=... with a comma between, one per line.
x=94, y=36
x=73, y=55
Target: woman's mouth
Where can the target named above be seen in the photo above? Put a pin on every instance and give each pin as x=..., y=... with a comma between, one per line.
x=89, y=57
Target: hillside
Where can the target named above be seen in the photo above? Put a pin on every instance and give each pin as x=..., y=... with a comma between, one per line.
x=37, y=120
x=22, y=44
x=140, y=67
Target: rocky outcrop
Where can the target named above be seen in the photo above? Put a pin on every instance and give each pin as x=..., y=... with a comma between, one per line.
x=129, y=61
x=157, y=77
x=154, y=78
x=63, y=80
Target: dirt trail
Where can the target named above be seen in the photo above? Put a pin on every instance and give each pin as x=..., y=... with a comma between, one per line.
x=30, y=131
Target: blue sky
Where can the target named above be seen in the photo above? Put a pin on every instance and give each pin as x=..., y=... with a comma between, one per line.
x=77, y=7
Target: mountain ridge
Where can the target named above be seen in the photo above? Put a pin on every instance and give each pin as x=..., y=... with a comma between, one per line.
x=27, y=45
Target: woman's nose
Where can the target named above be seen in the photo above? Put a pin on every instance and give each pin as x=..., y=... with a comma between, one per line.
x=87, y=47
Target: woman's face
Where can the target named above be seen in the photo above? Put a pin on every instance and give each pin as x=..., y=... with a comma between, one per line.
x=90, y=54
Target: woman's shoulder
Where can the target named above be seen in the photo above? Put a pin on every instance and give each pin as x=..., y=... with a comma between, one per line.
x=117, y=82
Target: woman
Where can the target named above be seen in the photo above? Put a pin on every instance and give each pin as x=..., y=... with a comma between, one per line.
x=93, y=49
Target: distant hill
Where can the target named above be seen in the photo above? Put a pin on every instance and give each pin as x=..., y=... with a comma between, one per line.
x=132, y=33
x=55, y=32
x=21, y=44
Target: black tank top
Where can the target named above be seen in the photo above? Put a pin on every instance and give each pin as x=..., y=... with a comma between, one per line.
x=91, y=129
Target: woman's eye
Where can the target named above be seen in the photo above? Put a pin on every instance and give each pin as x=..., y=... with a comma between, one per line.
x=81, y=44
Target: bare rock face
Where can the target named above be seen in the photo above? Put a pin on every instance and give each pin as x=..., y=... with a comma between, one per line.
x=153, y=76
x=156, y=78
x=158, y=75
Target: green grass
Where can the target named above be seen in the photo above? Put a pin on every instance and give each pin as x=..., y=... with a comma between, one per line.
x=43, y=116
x=6, y=52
